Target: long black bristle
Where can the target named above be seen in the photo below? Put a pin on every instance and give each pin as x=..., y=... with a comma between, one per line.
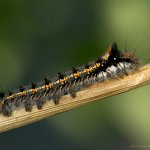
x=33, y=85
x=2, y=95
x=60, y=75
x=46, y=81
x=114, y=46
x=74, y=70
x=21, y=88
x=10, y=93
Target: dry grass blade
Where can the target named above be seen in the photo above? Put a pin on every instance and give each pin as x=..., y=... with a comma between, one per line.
x=93, y=93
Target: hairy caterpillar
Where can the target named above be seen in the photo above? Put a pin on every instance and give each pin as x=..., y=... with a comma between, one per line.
x=112, y=65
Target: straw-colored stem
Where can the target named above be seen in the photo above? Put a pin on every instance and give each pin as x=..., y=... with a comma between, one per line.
x=95, y=92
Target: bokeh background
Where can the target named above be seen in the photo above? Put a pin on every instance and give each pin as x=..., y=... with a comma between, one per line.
x=38, y=38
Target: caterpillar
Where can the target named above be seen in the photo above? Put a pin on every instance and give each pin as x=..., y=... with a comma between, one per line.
x=113, y=64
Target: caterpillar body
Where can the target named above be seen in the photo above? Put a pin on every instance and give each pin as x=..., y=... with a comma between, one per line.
x=112, y=65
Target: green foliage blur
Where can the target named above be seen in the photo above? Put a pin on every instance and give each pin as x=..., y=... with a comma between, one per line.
x=38, y=38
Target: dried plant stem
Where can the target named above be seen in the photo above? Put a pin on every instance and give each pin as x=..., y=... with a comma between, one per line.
x=92, y=93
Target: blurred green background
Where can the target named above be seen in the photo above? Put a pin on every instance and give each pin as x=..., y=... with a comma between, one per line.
x=38, y=38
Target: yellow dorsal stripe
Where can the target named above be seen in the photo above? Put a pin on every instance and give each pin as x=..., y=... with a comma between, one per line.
x=62, y=81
